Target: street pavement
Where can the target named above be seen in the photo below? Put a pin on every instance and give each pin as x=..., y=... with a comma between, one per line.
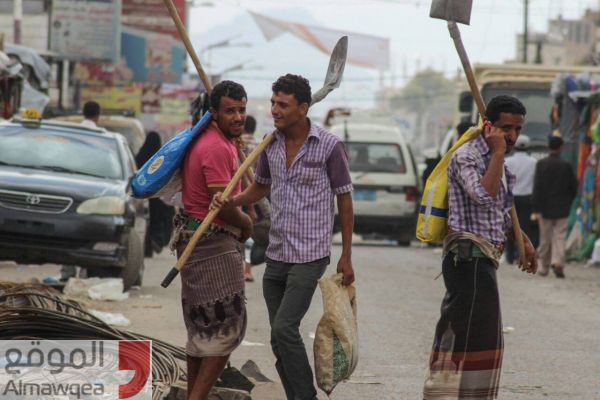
x=552, y=344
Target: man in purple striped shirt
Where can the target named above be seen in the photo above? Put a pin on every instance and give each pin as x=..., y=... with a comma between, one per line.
x=304, y=169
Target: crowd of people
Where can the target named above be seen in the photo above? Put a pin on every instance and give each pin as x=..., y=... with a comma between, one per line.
x=298, y=178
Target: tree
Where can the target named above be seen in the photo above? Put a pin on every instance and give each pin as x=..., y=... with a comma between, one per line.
x=433, y=98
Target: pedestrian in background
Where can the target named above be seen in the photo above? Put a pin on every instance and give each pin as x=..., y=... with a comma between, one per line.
x=161, y=214
x=554, y=188
x=260, y=212
x=522, y=165
x=91, y=114
x=431, y=163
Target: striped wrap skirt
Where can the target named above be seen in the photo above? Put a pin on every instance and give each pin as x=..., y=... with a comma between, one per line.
x=466, y=357
x=212, y=295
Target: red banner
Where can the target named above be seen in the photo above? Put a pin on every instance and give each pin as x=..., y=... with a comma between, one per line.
x=152, y=15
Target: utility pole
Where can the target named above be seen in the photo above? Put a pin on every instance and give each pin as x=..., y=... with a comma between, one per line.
x=525, y=29
x=17, y=18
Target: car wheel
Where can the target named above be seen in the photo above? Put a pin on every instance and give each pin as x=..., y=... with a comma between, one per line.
x=133, y=272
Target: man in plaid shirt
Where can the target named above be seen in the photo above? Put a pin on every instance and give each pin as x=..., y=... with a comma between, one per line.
x=305, y=169
x=466, y=358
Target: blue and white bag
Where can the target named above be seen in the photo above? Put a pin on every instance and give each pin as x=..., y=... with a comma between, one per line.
x=160, y=174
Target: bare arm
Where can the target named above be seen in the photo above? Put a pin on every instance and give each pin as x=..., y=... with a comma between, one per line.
x=252, y=194
x=492, y=179
x=346, y=212
x=233, y=215
x=530, y=253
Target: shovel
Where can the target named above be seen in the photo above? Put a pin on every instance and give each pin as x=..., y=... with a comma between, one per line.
x=333, y=79
x=459, y=11
x=190, y=49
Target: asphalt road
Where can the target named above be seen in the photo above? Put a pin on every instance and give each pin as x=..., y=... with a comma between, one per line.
x=551, y=352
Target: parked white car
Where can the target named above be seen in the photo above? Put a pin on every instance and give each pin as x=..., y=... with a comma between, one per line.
x=386, y=185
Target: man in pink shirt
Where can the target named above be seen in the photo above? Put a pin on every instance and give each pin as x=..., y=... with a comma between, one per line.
x=212, y=291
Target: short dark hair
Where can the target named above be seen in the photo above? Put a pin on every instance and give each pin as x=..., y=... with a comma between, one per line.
x=506, y=104
x=229, y=89
x=554, y=142
x=462, y=127
x=295, y=85
x=250, y=124
x=91, y=109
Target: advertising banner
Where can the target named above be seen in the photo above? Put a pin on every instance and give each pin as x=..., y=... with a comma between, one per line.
x=114, y=97
x=152, y=15
x=152, y=57
x=86, y=29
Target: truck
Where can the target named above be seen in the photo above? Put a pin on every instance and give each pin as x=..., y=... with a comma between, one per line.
x=529, y=83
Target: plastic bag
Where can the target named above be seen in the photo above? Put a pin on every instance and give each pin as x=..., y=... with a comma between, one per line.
x=159, y=175
x=432, y=223
x=336, y=338
x=96, y=288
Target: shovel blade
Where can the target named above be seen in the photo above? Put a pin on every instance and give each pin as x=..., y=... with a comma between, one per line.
x=452, y=10
x=335, y=71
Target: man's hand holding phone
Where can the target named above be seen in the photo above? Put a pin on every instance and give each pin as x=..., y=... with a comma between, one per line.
x=494, y=137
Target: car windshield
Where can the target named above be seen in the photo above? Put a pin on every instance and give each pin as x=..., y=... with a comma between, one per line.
x=60, y=151
x=538, y=104
x=375, y=157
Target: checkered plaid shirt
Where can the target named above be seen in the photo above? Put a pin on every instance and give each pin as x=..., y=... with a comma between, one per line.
x=471, y=208
x=302, y=197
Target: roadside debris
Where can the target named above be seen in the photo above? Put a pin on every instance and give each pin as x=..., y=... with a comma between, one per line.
x=508, y=329
x=112, y=319
x=39, y=312
x=103, y=289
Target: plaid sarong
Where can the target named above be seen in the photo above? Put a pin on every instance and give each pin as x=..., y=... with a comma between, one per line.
x=212, y=295
x=466, y=358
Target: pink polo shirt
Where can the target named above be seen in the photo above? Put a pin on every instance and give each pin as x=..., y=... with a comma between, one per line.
x=210, y=162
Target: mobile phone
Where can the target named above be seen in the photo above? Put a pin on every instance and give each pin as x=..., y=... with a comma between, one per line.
x=463, y=250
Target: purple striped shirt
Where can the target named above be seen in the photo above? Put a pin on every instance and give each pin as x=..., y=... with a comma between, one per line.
x=302, y=197
x=471, y=208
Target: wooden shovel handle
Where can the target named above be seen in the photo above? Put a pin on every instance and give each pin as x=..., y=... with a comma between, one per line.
x=243, y=157
x=524, y=263
x=188, y=45
x=464, y=59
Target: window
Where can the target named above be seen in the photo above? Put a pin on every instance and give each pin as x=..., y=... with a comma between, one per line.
x=60, y=151
x=375, y=157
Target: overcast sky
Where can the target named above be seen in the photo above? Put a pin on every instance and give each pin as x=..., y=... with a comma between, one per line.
x=415, y=39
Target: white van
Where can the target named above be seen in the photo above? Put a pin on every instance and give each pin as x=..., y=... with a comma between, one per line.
x=384, y=174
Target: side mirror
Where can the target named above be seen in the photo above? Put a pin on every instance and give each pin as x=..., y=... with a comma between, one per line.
x=465, y=102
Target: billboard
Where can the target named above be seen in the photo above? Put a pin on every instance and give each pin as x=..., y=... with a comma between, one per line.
x=86, y=29
x=114, y=97
x=152, y=15
x=152, y=57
